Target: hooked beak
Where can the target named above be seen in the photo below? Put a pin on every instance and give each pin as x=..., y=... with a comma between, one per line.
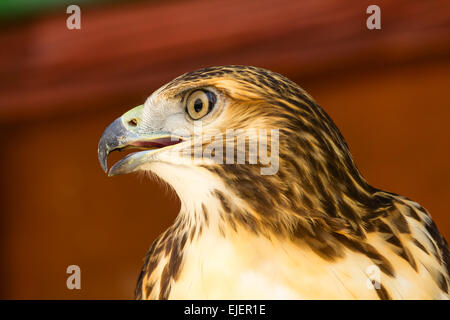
x=124, y=134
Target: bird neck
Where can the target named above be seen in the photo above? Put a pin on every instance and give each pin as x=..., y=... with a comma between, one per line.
x=197, y=189
x=231, y=198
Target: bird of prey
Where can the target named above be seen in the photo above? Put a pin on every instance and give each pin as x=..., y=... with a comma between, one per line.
x=312, y=229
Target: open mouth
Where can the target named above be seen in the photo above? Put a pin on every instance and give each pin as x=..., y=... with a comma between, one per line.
x=157, y=143
x=139, y=152
x=122, y=135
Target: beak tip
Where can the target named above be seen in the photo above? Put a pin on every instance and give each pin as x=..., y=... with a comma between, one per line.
x=109, y=142
x=102, y=159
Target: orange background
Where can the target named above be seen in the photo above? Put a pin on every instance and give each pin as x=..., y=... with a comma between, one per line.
x=387, y=90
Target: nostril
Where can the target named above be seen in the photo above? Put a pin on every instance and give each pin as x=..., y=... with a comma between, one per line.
x=133, y=122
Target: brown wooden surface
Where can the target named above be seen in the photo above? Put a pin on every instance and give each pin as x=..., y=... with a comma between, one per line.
x=386, y=90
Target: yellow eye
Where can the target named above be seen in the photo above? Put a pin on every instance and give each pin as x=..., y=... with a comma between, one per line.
x=200, y=103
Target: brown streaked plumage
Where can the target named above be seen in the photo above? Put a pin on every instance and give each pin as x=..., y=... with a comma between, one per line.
x=309, y=231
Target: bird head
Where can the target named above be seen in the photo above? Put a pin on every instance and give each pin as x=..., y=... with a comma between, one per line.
x=198, y=109
x=182, y=133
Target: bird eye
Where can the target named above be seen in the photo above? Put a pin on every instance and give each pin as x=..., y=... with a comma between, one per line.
x=200, y=103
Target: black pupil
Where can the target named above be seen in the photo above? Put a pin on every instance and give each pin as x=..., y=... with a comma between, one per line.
x=198, y=105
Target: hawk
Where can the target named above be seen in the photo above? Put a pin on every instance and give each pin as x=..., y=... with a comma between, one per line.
x=314, y=228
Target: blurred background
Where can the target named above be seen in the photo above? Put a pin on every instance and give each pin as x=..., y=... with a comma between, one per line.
x=387, y=90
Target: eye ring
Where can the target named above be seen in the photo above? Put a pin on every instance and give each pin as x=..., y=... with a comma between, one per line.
x=200, y=103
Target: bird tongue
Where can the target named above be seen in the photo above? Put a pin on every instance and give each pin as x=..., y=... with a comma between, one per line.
x=156, y=143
